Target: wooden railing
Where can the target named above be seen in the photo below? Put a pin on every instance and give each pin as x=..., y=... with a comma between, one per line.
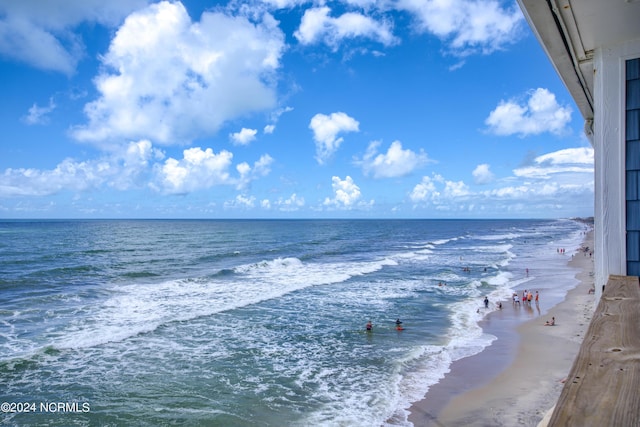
x=603, y=384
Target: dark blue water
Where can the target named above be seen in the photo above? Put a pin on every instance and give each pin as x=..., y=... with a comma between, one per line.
x=252, y=323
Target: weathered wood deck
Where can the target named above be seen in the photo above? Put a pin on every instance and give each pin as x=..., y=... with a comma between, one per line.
x=603, y=384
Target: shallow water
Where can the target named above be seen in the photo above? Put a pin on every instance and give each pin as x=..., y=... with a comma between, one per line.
x=239, y=323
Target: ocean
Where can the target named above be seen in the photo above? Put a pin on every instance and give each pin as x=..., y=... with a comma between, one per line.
x=253, y=322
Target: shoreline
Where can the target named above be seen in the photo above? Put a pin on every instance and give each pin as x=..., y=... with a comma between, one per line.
x=519, y=377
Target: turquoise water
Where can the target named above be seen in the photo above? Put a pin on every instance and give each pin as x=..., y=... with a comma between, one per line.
x=252, y=323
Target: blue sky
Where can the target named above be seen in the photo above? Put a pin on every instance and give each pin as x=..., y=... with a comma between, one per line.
x=284, y=109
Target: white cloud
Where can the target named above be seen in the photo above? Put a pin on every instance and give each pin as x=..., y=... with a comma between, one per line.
x=67, y=175
x=346, y=193
x=363, y=4
x=134, y=165
x=540, y=114
x=467, y=26
x=284, y=4
x=533, y=196
x=260, y=168
x=275, y=116
x=241, y=202
x=482, y=174
x=244, y=137
x=325, y=131
x=395, y=163
x=171, y=80
x=293, y=203
x=425, y=190
x=122, y=170
x=571, y=162
x=455, y=189
x=558, y=180
x=198, y=169
x=317, y=26
x=582, y=155
x=137, y=165
x=40, y=33
x=38, y=115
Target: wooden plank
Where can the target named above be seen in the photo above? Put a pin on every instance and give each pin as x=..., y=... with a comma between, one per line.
x=602, y=386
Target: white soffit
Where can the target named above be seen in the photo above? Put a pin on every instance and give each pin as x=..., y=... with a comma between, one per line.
x=570, y=31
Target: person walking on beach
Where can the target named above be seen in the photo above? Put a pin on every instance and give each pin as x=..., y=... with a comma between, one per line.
x=486, y=302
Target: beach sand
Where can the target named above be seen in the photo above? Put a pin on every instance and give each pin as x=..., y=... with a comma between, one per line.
x=517, y=380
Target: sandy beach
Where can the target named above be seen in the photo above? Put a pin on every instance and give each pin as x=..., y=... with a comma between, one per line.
x=516, y=380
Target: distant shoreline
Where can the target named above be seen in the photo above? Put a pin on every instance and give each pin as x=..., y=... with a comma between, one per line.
x=519, y=377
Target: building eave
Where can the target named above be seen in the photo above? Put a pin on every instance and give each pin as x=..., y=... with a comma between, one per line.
x=558, y=34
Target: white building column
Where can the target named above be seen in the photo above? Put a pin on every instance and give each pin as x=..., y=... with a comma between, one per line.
x=609, y=146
